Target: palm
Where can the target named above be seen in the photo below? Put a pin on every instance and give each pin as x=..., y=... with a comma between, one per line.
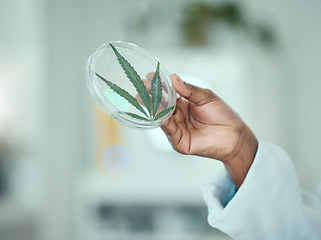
x=208, y=128
x=204, y=125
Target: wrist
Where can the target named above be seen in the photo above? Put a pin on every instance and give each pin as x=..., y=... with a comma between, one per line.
x=240, y=160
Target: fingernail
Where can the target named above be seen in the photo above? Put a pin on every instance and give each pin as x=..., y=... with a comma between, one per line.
x=178, y=79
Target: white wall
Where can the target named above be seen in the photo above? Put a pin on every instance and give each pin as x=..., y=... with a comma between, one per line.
x=297, y=27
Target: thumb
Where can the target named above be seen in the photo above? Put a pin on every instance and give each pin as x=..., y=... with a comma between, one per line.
x=194, y=94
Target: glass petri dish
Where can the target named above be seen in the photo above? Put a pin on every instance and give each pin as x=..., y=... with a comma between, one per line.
x=130, y=85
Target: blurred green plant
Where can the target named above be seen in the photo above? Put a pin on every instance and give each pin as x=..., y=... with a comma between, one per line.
x=196, y=18
x=153, y=104
x=199, y=16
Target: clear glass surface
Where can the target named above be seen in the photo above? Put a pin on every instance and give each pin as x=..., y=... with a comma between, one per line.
x=107, y=78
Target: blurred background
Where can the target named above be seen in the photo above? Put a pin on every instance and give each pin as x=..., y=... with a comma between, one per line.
x=262, y=57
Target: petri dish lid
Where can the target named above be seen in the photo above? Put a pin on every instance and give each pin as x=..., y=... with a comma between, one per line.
x=130, y=85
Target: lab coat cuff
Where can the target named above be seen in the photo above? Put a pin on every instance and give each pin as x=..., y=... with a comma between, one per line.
x=271, y=175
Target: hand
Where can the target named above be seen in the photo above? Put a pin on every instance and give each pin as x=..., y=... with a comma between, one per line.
x=204, y=125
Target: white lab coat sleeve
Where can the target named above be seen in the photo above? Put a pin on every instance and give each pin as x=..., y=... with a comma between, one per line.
x=268, y=205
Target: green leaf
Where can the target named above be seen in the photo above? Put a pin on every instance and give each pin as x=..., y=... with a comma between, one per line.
x=162, y=113
x=156, y=90
x=134, y=78
x=137, y=116
x=123, y=93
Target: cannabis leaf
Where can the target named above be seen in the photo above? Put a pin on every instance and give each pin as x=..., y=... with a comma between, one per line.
x=156, y=90
x=162, y=113
x=123, y=93
x=134, y=78
x=137, y=116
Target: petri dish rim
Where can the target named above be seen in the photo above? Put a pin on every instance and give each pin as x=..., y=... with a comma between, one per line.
x=107, y=106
